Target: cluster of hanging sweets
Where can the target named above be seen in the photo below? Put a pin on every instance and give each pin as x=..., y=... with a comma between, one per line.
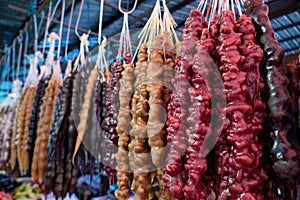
x=156, y=115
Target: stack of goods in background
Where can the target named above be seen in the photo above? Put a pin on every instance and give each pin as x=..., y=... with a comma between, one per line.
x=215, y=116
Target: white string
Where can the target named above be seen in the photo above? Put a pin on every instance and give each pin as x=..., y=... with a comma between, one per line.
x=54, y=10
x=19, y=55
x=47, y=26
x=151, y=28
x=13, y=56
x=100, y=21
x=61, y=28
x=125, y=41
x=78, y=18
x=239, y=7
x=232, y=8
x=25, y=53
x=69, y=27
x=200, y=5
x=41, y=22
x=8, y=59
x=35, y=33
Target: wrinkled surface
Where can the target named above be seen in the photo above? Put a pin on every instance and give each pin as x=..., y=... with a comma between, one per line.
x=281, y=154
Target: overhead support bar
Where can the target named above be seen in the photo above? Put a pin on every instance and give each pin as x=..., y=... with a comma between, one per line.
x=282, y=7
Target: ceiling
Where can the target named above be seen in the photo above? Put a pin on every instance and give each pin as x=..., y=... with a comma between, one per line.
x=14, y=15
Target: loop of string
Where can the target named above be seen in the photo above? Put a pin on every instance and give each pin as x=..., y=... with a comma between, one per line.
x=78, y=18
x=69, y=27
x=61, y=28
x=125, y=41
x=129, y=11
x=19, y=55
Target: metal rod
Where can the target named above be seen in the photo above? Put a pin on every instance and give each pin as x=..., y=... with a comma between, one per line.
x=66, y=25
x=73, y=27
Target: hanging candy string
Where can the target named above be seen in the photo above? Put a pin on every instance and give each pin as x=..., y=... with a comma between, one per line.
x=61, y=28
x=69, y=27
x=125, y=41
x=19, y=55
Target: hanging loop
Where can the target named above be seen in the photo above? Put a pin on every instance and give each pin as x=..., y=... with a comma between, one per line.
x=129, y=11
x=78, y=18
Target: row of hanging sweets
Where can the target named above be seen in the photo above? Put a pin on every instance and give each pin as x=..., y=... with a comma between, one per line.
x=211, y=117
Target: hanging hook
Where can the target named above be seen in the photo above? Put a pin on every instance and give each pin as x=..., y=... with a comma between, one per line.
x=69, y=27
x=61, y=28
x=78, y=18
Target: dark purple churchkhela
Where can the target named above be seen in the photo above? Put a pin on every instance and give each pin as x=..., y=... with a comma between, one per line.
x=35, y=115
x=280, y=125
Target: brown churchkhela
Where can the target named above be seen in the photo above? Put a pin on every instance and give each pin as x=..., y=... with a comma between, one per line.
x=13, y=148
x=159, y=74
x=139, y=150
x=39, y=162
x=23, y=123
x=24, y=146
x=123, y=128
